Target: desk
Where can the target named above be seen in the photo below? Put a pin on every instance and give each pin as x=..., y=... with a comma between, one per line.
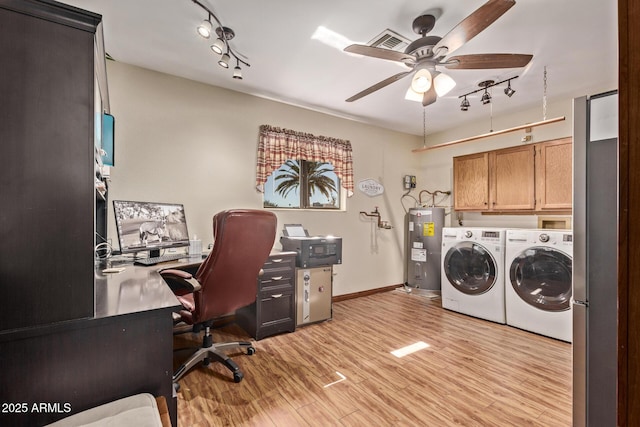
x=125, y=348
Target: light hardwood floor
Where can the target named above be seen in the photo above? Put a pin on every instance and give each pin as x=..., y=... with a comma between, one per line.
x=474, y=372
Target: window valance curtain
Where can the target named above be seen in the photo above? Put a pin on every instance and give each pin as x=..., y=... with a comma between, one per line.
x=276, y=146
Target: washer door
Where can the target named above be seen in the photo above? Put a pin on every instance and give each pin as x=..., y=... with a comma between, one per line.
x=470, y=268
x=541, y=276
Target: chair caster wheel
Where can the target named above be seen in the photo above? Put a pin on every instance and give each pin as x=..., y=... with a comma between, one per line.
x=237, y=377
x=251, y=351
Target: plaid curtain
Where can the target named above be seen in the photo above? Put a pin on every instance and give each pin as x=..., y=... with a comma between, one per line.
x=277, y=145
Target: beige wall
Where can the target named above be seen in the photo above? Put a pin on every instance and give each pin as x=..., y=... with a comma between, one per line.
x=182, y=141
x=186, y=142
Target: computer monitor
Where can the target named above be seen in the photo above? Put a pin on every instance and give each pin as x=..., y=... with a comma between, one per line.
x=148, y=226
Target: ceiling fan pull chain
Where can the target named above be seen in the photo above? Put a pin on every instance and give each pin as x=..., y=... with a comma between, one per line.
x=424, y=126
x=544, y=95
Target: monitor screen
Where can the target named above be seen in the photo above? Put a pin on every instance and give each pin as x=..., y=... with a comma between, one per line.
x=147, y=226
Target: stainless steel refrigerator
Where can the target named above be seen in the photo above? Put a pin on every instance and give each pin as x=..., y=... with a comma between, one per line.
x=595, y=234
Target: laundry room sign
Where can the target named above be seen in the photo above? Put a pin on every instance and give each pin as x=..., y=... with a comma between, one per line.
x=371, y=187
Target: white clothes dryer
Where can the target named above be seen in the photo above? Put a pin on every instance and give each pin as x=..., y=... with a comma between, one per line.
x=472, y=280
x=538, y=281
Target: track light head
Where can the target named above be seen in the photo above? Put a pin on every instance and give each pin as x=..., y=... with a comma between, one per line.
x=218, y=46
x=464, y=105
x=204, y=29
x=486, y=98
x=508, y=91
x=224, y=61
x=237, y=72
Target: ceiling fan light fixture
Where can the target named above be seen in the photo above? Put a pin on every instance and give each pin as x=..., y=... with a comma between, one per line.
x=218, y=46
x=443, y=84
x=412, y=95
x=204, y=29
x=421, y=81
x=224, y=61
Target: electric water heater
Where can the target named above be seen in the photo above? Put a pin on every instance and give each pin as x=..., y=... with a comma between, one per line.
x=424, y=246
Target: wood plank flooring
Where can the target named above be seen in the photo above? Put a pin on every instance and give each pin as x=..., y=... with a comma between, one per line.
x=474, y=372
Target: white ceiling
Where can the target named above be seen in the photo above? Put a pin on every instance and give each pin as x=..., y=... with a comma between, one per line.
x=575, y=39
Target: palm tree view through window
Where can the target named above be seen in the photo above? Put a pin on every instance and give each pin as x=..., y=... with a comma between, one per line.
x=303, y=184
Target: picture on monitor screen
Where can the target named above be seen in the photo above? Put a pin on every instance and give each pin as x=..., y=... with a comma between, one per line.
x=147, y=226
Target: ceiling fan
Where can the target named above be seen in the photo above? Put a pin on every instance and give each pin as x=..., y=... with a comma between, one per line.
x=423, y=55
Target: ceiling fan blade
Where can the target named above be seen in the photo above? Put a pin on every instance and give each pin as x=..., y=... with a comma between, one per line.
x=489, y=60
x=377, y=52
x=429, y=96
x=472, y=25
x=378, y=85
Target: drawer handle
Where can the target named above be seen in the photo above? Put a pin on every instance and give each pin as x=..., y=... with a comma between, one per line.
x=277, y=278
x=277, y=260
x=276, y=296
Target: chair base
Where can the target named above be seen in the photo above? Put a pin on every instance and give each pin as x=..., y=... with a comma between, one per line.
x=215, y=352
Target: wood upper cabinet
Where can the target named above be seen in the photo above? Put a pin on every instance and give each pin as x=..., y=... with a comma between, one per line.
x=512, y=178
x=471, y=182
x=554, y=175
x=533, y=177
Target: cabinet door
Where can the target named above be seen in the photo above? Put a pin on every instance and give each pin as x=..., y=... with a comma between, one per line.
x=513, y=178
x=471, y=182
x=554, y=175
x=47, y=178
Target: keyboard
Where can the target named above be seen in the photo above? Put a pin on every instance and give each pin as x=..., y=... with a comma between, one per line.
x=158, y=259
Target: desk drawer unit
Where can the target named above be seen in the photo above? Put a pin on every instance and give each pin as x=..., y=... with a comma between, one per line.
x=274, y=311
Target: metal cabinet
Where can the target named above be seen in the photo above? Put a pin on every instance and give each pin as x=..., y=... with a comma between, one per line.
x=274, y=311
x=313, y=294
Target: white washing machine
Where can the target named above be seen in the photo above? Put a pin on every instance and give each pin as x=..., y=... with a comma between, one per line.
x=472, y=272
x=538, y=281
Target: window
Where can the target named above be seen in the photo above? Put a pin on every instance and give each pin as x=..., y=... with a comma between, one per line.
x=302, y=184
x=302, y=171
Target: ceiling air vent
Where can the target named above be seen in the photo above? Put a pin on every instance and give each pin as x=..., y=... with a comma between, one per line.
x=389, y=39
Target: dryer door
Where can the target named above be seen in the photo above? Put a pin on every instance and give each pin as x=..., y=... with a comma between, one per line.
x=470, y=268
x=541, y=276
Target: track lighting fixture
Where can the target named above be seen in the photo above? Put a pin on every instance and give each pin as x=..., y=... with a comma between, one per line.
x=486, y=96
x=221, y=45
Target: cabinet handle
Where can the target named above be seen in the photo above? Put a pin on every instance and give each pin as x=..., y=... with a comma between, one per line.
x=276, y=296
x=277, y=260
x=277, y=278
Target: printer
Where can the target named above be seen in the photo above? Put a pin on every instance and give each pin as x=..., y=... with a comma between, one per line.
x=311, y=251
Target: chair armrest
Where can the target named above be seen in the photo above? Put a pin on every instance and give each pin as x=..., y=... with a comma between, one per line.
x=180, y=281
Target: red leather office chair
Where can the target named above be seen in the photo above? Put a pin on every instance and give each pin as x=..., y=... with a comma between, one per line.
x=226, y=281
